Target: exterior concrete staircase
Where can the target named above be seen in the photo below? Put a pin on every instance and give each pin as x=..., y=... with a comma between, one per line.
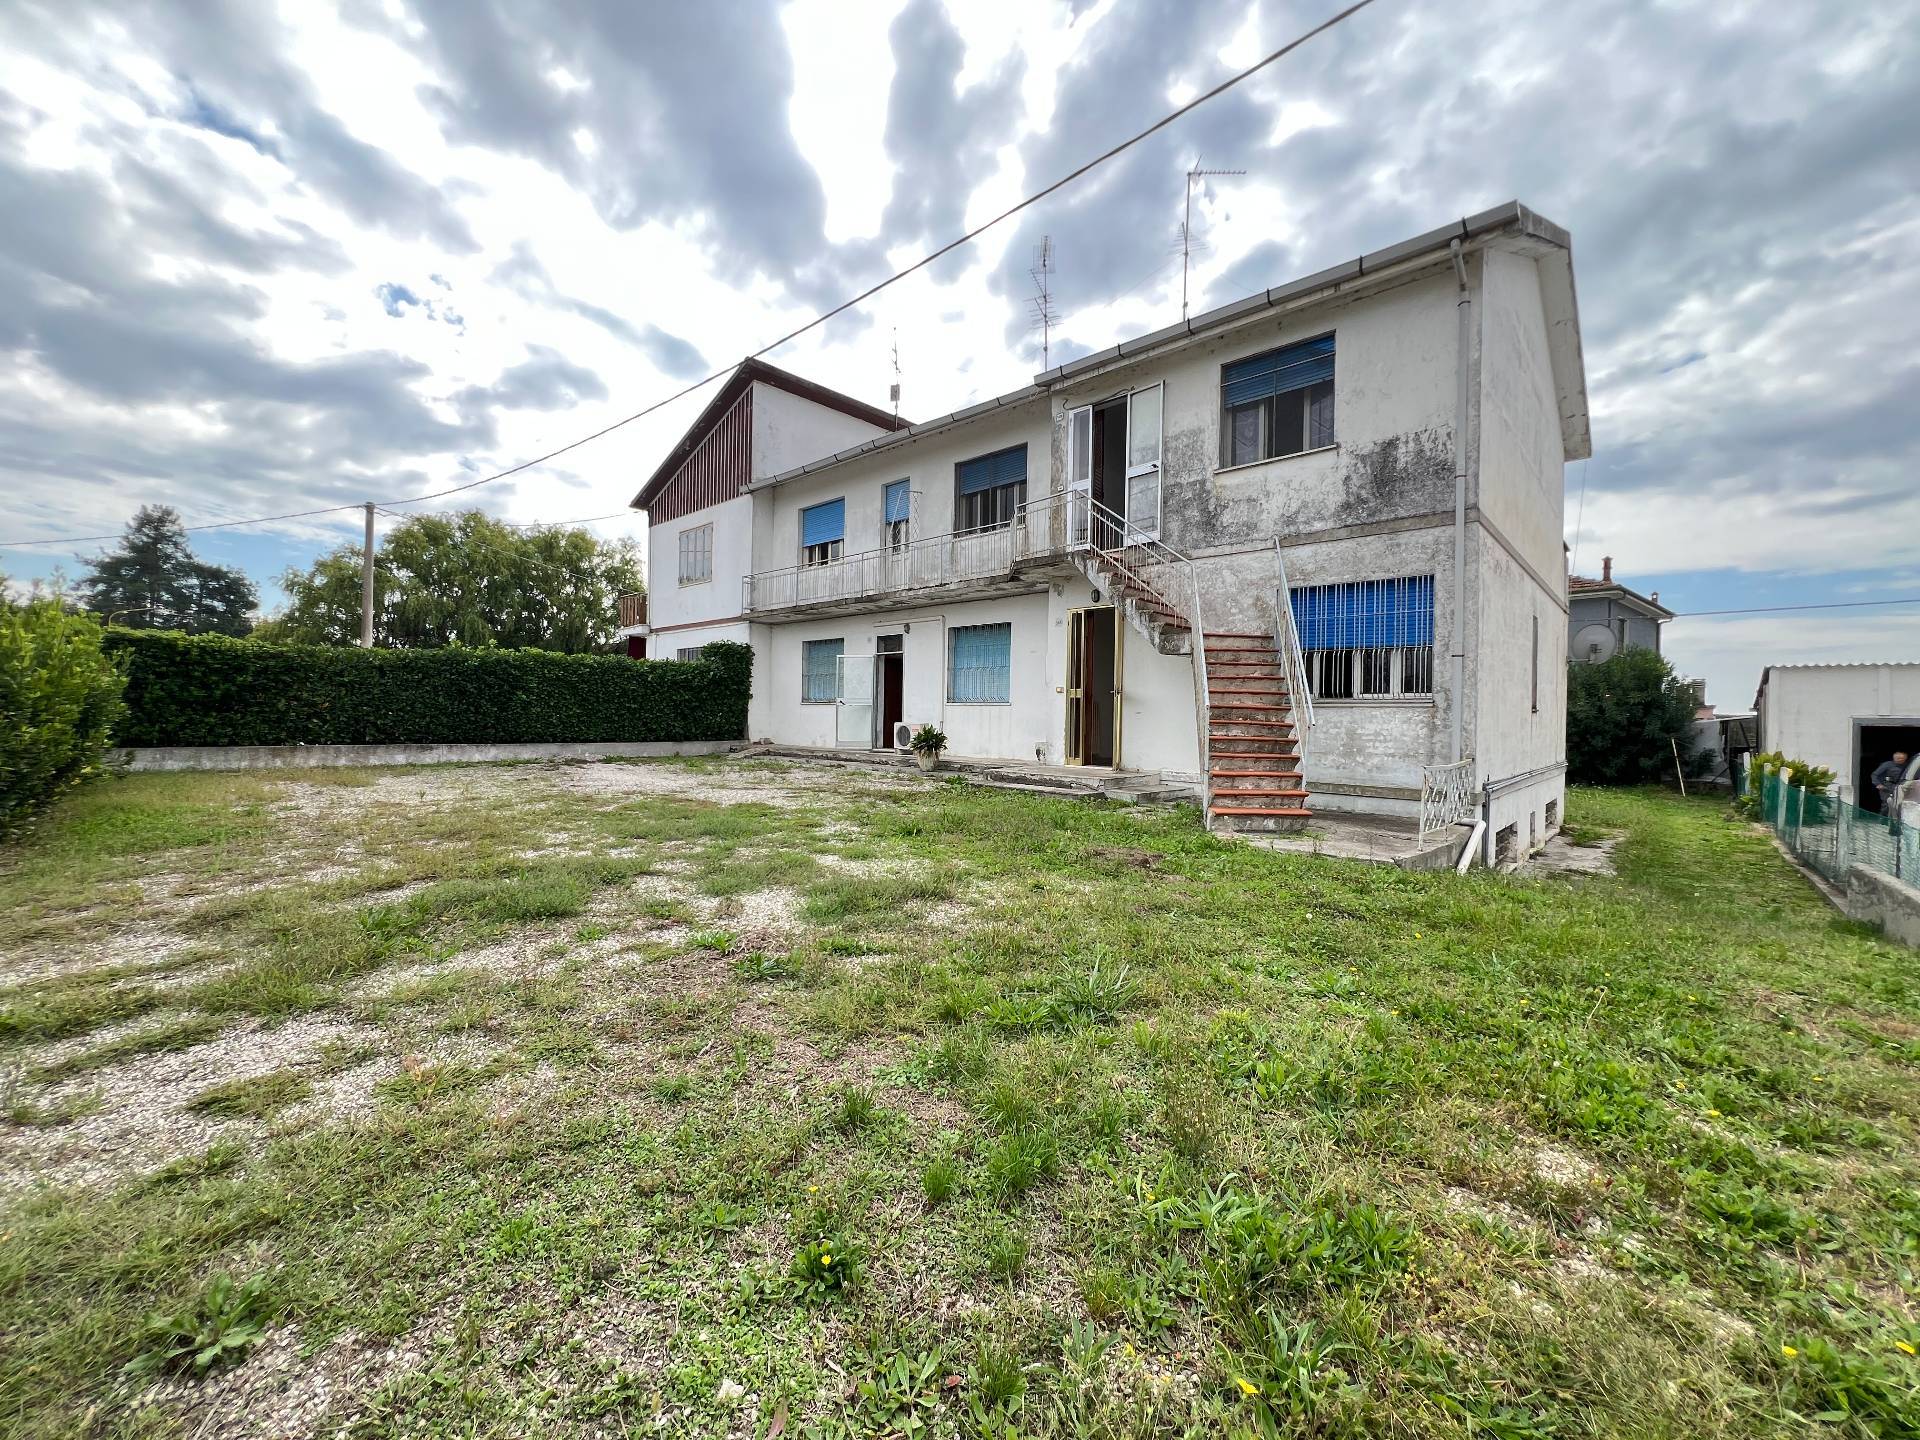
x=1254, y=775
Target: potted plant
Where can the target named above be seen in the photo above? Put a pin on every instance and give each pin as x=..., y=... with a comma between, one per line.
x=927, y=744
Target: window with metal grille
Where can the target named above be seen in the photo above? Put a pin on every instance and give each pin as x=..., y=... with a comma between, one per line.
x=1279, y=403
x=696, y=555
x=895, y=513
x=980, y=664
x=820, y=671
x=989, y=490
x=1367, y=639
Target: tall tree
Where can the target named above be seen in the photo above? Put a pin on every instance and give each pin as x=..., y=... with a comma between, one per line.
x=466, y=579
x=153, y=582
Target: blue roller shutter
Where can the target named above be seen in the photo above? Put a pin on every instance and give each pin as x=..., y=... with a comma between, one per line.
x=989, y=472
x=898, y=499
x=822, y=524
x=1278, y=371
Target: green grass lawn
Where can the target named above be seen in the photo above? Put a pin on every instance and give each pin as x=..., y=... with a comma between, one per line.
x=719, y=1097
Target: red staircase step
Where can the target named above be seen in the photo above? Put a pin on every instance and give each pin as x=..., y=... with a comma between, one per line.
x=1288, y=812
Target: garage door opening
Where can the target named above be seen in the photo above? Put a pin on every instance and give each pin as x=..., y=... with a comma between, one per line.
x=1872, y=744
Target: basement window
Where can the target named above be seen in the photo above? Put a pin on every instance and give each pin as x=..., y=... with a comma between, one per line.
x=1367, y=639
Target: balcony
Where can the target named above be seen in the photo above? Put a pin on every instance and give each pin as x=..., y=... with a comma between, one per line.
x=963, y=565
x=633, y=611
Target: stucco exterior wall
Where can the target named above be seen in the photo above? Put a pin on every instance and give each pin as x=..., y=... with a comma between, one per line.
x=1642, y=631
x=671, y=604
x=928, y=463
x=789, y=430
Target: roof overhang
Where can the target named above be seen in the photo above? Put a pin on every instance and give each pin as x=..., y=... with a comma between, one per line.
x=1511, y=224
x=1632, y=599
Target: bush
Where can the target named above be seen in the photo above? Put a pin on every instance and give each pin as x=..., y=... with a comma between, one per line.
x=209, y=690
x=59, y=700
x=1625, y=719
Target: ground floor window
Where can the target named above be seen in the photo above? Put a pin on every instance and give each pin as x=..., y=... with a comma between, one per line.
x=1367, y=639
x=980, y=664
x=688, y=652
x=820, y=671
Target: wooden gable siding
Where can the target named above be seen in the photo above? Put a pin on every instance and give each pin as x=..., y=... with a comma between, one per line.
x=717, y=470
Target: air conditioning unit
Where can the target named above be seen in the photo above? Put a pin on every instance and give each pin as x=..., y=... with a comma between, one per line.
x=902, y=735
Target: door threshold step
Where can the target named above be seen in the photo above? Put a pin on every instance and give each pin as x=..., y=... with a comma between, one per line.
x=1289, y=812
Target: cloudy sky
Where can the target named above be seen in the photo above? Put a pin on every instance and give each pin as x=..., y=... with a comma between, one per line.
x=255, y=262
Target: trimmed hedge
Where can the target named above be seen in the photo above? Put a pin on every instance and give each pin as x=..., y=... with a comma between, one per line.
x=209, y=690
x=59, y=696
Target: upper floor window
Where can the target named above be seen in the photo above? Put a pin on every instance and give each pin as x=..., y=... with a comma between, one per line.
x=896, y=510
x=1367, y=639
x=823, y=532
x=696, y=555
x=989, y=490
x=1279, y=403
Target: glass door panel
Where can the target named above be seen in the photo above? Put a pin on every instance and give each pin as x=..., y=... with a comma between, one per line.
x=853, y=703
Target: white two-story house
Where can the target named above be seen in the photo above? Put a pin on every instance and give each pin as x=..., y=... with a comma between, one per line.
x=1302, y=552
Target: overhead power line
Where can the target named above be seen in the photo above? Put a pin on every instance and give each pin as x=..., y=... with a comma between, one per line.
x=1774, y=609
x=818, y=320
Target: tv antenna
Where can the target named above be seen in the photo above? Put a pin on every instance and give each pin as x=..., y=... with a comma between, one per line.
x=1186, y=225
x=1044, y=315
x=893, y=391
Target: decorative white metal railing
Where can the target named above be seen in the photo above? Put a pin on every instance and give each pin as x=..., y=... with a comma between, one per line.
x=1446, y=795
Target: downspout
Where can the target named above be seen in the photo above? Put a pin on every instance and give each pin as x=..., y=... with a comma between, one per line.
x=1463, y=310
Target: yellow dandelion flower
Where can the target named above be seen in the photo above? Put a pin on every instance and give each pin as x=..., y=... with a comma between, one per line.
x=1788, y=1351
x=1714, y=1114
x=1903, y=1347
x=813, y=1189
x=826, y=1259
x=1247, y=1387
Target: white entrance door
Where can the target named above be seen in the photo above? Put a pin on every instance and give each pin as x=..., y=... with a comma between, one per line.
x=1143, y=461
x=853, y=703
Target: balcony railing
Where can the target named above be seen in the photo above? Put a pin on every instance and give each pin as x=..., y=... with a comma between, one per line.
x=633, y=611
x=1039, y=529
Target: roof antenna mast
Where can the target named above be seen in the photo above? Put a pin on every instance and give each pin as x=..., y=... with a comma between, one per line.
x=1044, y=315
x=893, y=391
x=1186, y=226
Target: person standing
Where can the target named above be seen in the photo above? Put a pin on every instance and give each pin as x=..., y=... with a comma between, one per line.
x=1887, y=777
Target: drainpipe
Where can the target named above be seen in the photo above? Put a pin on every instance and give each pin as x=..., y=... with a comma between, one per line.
x=1463, y=308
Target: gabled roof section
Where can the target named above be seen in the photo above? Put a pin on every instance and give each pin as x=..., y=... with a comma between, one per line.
x=1528, y=232
x=1581, y=587
x=731, y=390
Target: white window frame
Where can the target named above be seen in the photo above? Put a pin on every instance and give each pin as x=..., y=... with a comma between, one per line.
x=695, y=549
x=805, y=647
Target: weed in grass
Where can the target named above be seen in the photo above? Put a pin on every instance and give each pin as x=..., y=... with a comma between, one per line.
x=826, y=1269
x=61, y=1008
x=1010, y=1104
x=1004, y=1251
x=671, y=1089
x=958, y=1057
x=1095, y=996
x=253, y=1098
x=939, y=1179
x=997, y=1379
x=1021, y=1160
x=857, y=1109
x=593, y=930
x=757, y=965
x=849, y=897
x=216, y=1329
x=718, y=941
x=717, y=1217
x=896, y=1391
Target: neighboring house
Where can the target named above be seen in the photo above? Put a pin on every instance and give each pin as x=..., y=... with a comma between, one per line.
x=1349, y=487
x=1846, y=718
x=1604, y=617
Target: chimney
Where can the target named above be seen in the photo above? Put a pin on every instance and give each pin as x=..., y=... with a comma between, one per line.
x=1606, y=569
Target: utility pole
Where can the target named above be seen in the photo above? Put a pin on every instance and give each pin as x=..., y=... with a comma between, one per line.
x=366, y=584
x=1186, y=227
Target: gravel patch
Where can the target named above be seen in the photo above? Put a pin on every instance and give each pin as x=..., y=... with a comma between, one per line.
x=143, y=1120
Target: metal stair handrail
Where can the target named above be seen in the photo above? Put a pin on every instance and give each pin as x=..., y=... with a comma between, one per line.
x=1293, y=658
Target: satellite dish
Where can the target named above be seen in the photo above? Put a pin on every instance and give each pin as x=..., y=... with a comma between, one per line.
x=1594, y=643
